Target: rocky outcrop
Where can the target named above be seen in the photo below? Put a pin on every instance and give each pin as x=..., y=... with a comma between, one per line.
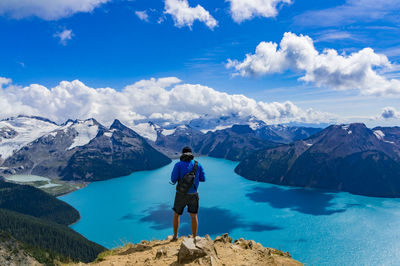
x=350, y=158
x=199, y=251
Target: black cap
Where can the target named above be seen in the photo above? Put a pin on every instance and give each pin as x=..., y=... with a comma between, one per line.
x=186, y=150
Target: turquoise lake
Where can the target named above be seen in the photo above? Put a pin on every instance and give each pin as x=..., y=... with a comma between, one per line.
x=316, y=227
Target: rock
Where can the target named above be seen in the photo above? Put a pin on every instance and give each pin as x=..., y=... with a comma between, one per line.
x=161, y=253
x=172, y=251
x=192, y=249
x=136, y=248
x=245, y=244
x=225, y=238
x=287, y=254
x=213, y=261
x=141, y=247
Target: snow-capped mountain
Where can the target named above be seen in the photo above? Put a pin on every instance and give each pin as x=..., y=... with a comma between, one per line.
x=17, y=132
x=78, y=149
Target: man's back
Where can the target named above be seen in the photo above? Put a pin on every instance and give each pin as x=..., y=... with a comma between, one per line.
x=182, y=168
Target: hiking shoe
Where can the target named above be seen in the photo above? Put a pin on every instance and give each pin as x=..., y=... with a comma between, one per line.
x=174, y=239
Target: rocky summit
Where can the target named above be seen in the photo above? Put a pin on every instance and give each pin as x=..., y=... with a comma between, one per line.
x=199, y=251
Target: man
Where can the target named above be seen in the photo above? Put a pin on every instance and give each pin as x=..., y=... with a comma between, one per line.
x=191, y=198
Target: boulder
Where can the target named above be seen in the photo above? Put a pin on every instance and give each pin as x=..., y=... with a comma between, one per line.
x=192, y=249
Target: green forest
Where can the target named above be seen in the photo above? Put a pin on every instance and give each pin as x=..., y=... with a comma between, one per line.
x=39, y=221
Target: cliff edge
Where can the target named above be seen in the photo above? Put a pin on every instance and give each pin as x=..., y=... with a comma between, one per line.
x=200, y=251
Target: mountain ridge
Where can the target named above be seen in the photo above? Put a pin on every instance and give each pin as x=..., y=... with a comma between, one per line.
x=349, y=158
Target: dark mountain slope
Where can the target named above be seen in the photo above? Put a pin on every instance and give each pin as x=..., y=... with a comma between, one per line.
x=32, y=201
x=39, y=222
x=388, y=134
x=285, y=134
x=113, y=153
x=231, y=143
x=48, y=241
x=346, y=157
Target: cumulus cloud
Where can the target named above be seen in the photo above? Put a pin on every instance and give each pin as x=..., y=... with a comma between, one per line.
x=184, y=15
x=247, y=9
x=64, y=36
x=390, y=112
x=47, y=9
x=142, y=15
x=324, y=69
x=163, y=100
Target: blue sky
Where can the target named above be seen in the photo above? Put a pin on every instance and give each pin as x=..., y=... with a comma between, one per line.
x=107, y=44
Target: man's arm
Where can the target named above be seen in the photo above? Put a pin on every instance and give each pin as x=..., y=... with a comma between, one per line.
x=202, y=176
x=175, y=174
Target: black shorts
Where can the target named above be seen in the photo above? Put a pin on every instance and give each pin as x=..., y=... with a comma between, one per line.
x=183, y=200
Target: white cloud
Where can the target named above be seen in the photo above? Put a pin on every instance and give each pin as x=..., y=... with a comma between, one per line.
x=64, y=36
x=334, y=35
x=184, y=15
x=164, y=100
x=352, y=11
x=4, y=81
x=390, y=112
x=247, y=9
x=142, y=15
x=47, y=9
x=325, y=69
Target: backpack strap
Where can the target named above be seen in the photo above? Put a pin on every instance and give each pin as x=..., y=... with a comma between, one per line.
x=195, y=167
x=194, y=172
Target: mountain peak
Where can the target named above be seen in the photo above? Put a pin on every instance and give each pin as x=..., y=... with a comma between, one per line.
x=118, y=125
x=79, y=121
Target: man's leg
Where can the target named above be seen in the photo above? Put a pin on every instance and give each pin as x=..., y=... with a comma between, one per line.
x=175, y=223
x=195, y=224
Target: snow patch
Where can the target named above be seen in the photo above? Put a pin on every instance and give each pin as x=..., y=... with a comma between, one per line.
x=379, y=134
x=108, y=134
x=54, y=133
x=28, y=130
x=346, y=128
x=86, y=130
x=167, y=132
x=146, y=130
x=215, y=129
x=50, y=185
